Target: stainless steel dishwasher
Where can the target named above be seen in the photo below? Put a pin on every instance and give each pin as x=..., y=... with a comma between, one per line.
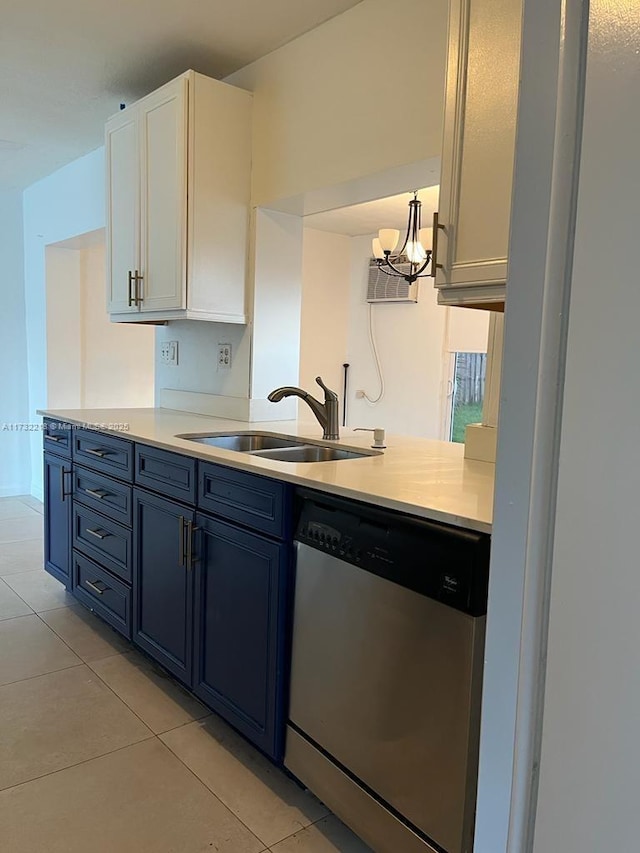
x=388, y=642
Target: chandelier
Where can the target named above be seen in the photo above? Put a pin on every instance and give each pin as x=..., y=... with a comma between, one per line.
x=413, y=247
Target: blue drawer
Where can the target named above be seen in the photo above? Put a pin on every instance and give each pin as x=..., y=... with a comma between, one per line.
x=103, y=494
x=248, y=499
x=57, y=437
x=106, y=541
x=102, y=593
x=104, y=453
x=169, y=474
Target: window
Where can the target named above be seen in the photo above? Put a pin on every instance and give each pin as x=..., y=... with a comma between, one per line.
x=464, y=370
x=467, y=383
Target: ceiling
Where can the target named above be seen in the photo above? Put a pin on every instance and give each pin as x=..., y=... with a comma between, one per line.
x=66, y=65
x=369, y=217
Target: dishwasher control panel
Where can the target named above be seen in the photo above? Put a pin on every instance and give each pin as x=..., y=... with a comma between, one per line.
x=443, y=562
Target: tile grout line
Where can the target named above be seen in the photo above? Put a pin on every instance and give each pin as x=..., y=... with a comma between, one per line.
x=41, y=674
x=188, y=723
x=84, y=663
x=19, y=616
x=90, y=668
x=35, y=612
x=121, y=654
x=266, y=849
x=213, y=793
x=75, y=764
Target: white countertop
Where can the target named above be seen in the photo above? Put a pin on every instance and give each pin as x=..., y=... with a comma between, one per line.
x=418, y=476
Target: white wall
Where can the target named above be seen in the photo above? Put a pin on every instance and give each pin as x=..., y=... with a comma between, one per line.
x=324, y=326
x=410, y=339
x=14, y=408
x=320, y=101
x=590, y=765
x=61, y=206
x=276, y=299
x=197, y=368
x=63, y=362
x=117, y=359
x=91, y=362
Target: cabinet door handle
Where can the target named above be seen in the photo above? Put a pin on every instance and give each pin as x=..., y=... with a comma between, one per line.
x=98, y=534
x=131, y=300
x=139, y=297
x=191, y=530
x=50, y=437
x=182, y=558
x=100, y=494
x=63, y=495
x=435, y=266
x=99, y=453
x=93, y=585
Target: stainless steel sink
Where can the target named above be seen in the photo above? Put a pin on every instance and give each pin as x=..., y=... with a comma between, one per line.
x=312, y=453
x=282, y=449
x=244, y=442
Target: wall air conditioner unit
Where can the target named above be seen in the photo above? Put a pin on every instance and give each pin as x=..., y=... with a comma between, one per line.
x=387, y=288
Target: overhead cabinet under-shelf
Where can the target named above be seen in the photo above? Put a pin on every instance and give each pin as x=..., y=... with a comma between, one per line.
x=178, y=199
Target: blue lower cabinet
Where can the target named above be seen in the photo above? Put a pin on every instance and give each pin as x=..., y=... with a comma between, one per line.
x=241, y=582
x=163, y=582
x=57, y=517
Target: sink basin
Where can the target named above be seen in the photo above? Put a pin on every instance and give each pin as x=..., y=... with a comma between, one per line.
x=282, y=449
x=244, y=442
x=312, y=453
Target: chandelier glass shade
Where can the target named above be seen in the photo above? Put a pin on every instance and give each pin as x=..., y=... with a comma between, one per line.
x=413, y=249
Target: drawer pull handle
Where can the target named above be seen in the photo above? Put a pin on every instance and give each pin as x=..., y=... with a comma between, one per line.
x=98, y=534
x=93, y=585
x=99, y=453
x=100, y=494
x=50, y=437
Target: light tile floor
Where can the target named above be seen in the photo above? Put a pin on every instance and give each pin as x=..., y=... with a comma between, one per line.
x=102, y=751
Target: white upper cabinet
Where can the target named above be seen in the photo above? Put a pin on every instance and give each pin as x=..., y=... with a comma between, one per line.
x=123, y=212
x=178, y=195
x=163, y=149
x=478, y=152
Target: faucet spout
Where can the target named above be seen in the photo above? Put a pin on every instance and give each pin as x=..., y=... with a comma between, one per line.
x=326, y=413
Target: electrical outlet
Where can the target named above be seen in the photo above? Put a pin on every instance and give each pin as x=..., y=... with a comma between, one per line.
x=169, y=352
x=224, y=357
x=359, y=395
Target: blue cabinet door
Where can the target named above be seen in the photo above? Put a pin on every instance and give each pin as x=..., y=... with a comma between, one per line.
x=241, y=631
x=163, y=582
x=57, y=517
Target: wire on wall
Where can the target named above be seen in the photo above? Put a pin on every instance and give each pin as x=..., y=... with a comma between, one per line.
x=374, y=348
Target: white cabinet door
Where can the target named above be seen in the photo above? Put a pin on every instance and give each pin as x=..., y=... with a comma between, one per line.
x=123, y=212
x=478, y=150
x=163, y=164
